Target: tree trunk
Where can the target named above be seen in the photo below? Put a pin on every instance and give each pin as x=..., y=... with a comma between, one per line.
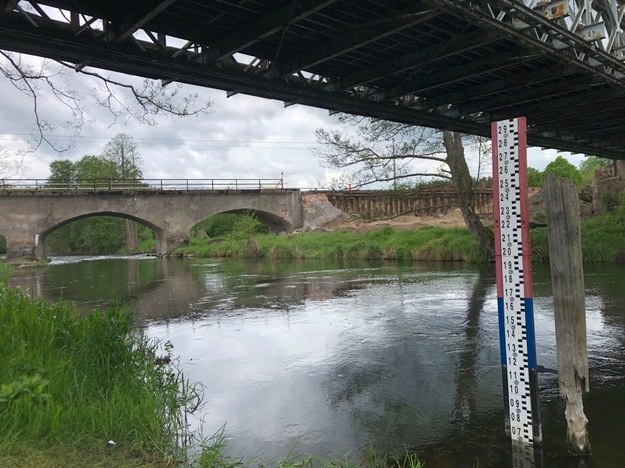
x=464, y=186
x=131, y=235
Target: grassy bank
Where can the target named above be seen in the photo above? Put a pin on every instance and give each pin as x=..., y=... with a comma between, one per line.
x=603, y=240
x=83, y=390
x=214, y=457
x=430, y=243
x=71, y=383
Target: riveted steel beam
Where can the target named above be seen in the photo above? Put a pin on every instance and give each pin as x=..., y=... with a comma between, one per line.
x=426, y=82
x=551, y=91
x=583, y=109
x=456, y=45
x=264, y=27
x=7, y=5
x=131, y=21
x=520, y=80
x=447, y=66
x=359, y=36
x=580, y=124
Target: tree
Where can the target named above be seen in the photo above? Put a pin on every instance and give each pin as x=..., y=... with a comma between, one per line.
x=590, y=165
x=534, y=177
x=65, y=172
x=91, y=235
x=123, y=152
x=561, y=167
x=382, y=151
x=94, y=167
x=62, y=170
x=123, y=97
x=461, y=177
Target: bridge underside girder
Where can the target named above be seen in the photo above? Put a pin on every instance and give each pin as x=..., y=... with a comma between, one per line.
x=446, y=64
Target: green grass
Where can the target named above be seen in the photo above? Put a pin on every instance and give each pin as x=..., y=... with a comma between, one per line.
x=5, y=273
x=212, y=456
x=428, y=243
x=603, y=238
x=70, y=383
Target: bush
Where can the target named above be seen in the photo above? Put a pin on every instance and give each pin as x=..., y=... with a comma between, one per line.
x=562, y=168
x=224, y=224
x=534, y=177
x=589, y=166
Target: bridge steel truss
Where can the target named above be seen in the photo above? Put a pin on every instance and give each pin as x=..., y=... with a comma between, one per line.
x=453, y=64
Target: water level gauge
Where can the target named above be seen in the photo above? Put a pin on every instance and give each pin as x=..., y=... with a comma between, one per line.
x=514, y=281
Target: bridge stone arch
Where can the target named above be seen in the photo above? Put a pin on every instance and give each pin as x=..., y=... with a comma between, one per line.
x=41, y=236
x=274, y=223
x=28, y=216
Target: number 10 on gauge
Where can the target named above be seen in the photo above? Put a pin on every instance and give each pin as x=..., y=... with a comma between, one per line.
x=514, y=281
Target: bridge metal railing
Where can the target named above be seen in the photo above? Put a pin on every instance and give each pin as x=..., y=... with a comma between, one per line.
x=112, y=185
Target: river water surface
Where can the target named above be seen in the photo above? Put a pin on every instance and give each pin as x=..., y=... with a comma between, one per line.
x=325, y=358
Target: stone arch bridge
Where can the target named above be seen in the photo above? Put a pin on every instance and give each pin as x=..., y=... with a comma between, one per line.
x=28, y=216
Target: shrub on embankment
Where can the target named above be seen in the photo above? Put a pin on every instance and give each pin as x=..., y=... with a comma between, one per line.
x=69, y=383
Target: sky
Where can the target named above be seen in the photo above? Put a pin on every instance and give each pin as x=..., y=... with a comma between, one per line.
x=242, y=136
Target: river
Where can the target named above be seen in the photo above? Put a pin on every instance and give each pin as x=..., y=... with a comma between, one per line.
x=326, y=358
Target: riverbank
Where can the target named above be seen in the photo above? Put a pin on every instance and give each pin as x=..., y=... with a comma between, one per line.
x=603, y=240
x=85, y=390
x=429, y=243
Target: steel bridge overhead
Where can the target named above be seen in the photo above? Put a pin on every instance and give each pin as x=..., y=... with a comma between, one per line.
x=453, y=64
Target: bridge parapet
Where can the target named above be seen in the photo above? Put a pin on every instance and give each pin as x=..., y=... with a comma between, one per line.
x=138, y=185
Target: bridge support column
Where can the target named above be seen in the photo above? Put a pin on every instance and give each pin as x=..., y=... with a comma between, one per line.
x=23, y=247
x=161, y=243
x=40, y=249
x=175, y=241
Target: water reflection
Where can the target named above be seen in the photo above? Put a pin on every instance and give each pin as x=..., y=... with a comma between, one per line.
x=324, y=358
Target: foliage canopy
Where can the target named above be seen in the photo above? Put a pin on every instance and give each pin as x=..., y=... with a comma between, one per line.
x=561, y=167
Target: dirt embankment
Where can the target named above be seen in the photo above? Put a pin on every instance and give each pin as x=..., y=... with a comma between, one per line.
x=401, y=223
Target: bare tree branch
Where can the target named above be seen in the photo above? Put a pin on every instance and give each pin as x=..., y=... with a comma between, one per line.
x=24, y=79
x=10, y=164
x=122, y=99
x=152, y=99
x=383, y=151
x=404, y=176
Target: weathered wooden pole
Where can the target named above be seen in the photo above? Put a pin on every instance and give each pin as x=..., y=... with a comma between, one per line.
x=565, y=254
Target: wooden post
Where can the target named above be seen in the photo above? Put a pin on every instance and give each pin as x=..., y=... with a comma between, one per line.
x=565, y=253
